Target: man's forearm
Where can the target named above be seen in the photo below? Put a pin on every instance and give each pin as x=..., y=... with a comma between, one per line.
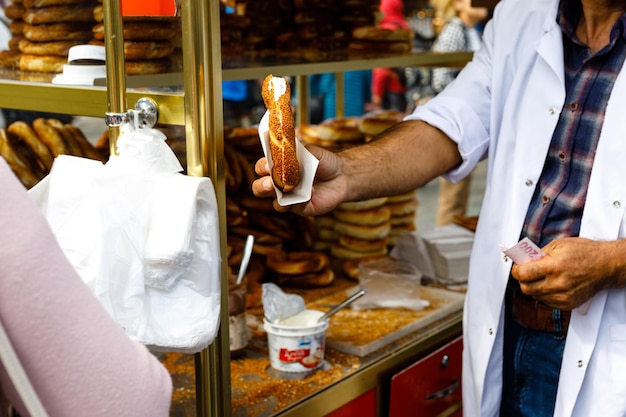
x=404, y=158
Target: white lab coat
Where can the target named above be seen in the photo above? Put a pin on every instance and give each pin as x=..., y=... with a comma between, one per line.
x=505, y=104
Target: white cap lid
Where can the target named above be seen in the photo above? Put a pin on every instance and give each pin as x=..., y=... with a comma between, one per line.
x=91, y=52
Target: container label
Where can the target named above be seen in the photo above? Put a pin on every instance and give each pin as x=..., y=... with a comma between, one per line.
x=296, y=350
x=295, y=355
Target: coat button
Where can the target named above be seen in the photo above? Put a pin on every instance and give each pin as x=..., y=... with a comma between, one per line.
x=617, y=204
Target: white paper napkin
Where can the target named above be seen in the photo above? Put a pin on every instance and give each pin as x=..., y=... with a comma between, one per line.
x=308, y=167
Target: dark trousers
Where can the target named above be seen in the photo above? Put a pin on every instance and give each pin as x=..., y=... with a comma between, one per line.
x=532, y=363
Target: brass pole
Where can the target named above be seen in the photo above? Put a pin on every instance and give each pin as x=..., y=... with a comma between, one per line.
x=340, y=87
x=302, y=100
x=202, y=66
x=115, y=64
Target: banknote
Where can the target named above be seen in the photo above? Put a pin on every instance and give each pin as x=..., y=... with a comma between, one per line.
x=523, y=251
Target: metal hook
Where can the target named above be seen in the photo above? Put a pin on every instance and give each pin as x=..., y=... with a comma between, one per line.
x=146, y=112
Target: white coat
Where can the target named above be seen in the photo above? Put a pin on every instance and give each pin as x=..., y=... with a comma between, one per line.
x=505, y=104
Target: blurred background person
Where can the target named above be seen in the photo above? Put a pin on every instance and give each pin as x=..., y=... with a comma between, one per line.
x=389, y=84
x=323, y=88
x=460, y=32
x=243, y=104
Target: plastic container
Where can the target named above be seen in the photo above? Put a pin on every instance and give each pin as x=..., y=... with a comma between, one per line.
x=237, y=325
x=390, y=284
x=297, y=343
x=80, y=74
x=90, y=53
x=85, y=64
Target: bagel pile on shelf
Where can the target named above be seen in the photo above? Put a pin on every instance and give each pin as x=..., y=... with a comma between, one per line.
x=232, y=27
x=325, y=234
x=373, y=41
x=362, y=229
x=375, y=122
x=315, y=30
x=30, y=150
x=44, y=31
x=403, y=210
x=148, y=41
x=295, y=31
x=323, y=28
x=333, y=134
x=283, y=249
x=365, y=229
x=350, y=232
x=267, y=22
x=13, y=11
x=302, y=269
x=300, y=30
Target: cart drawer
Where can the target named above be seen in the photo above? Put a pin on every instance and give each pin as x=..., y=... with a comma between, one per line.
x=431, y=387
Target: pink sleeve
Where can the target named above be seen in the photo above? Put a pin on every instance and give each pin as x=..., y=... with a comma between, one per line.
x=78, y=359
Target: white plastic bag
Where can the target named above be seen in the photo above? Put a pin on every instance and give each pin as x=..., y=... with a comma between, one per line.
x=143, y=237
x=390, y=284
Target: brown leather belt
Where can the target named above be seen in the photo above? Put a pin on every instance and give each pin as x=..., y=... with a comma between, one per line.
x=534, y=315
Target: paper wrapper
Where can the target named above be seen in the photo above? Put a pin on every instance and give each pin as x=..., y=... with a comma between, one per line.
x=308, y=167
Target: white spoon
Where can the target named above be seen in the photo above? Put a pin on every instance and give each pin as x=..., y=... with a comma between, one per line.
x=247, y=252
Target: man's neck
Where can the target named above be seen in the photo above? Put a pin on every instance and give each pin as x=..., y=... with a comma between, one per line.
x=596, y=21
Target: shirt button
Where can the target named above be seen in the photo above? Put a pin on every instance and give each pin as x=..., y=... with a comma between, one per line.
x=545, y=199
x=490, y=331
x=573, y=106
x=551, y=111
x=580, y=364
x=617, y=204
x=528, y=182
x=562, y=156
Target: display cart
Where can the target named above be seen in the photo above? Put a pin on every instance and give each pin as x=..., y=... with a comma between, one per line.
x=198, y=107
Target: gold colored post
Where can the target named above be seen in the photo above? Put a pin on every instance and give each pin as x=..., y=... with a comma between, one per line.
x=115, y=64
x=202, y=66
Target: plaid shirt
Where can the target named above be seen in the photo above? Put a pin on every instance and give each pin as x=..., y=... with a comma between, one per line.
x=557, y=204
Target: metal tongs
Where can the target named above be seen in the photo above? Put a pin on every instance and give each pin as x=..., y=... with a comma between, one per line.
x=342, y=304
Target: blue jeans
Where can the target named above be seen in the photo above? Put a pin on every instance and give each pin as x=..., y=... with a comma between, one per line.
x=532, y=363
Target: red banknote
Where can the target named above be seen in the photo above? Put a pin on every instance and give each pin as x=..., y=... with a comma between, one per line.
x=524, y=251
